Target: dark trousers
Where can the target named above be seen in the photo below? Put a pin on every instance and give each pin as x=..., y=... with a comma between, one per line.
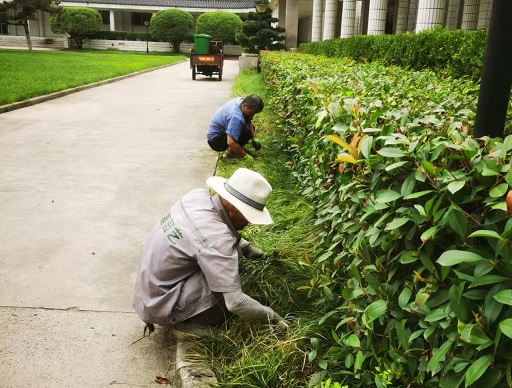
x=220, y=143
x=214, y=316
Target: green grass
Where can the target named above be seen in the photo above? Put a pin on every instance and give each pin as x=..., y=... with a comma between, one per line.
x=24, y=74
x=257, y=356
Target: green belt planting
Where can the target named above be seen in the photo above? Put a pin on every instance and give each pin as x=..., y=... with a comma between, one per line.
x=452, y=53
x=412, y=265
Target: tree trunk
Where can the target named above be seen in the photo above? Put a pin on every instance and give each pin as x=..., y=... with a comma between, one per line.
x=79, y=43
x=27, y=34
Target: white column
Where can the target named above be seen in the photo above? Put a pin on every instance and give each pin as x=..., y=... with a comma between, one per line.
x=40, y=21
x=359, y=11
x=316, y=28
x=292, y=23
x=470, y=15
x=402, y=16
x=453, y=14
x=430, y=14
x=112, y=21
x=484, y=14
x=348, y=18
x=413, y=15
x=330, y=19
x=377, y=17
x=281, y=7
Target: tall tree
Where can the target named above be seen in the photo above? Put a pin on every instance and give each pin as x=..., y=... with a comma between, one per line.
x=258, y=33
x=81, y=23
x=24, y=10
x=173, y=26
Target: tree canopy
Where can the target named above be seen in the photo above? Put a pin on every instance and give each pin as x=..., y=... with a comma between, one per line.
x=220, y=25
x=25, y=10
x=258, y=33
x=81, y=23
x=173, y=26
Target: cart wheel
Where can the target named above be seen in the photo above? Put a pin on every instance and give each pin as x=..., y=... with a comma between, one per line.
x=220, y=75
x=193, y=73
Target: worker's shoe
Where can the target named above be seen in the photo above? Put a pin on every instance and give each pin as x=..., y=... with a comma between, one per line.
x=227, y=155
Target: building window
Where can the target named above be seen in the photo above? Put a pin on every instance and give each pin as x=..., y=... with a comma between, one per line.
x=3, y=23
x=139, y=18
x=105, y=17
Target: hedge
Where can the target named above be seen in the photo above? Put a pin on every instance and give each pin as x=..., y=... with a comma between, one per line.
x=412, y=277
x=453, y=53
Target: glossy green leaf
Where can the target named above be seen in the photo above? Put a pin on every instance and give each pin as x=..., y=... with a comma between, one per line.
x=428, y=234
x=408, y=257
x=506, y=327
x=486, y=233
x=504, y=297
x=421, y=299
x=455, y=186
x=489, y=172
x=488, y=279
x=435, y=315
x=386, y=196
x=420, y=209
x=416, y=334
x=404, y=297
x=396, y=165
x=396, y=223
x=418, y=194
x=499, y=190
x=473, y=334
x=391, y=152
x=492, y=308
x=457, y=302
x=438, y=356
x=477, y=369
x=353, y=341
x=374, y=311
x=366, y=146
x=457, y=257
x=359, y=361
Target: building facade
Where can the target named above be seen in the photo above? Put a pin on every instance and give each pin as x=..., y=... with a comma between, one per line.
x=316, y=20
x=304, y=20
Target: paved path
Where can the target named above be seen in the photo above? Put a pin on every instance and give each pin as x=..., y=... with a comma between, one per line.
x=82, y=180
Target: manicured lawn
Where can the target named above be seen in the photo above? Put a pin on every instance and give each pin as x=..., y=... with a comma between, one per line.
x=26, y=74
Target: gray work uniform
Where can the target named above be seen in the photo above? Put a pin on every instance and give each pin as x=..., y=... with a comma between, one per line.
x=191, y=254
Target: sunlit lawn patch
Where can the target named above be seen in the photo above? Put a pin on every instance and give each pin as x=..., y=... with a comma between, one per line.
x=24, y=74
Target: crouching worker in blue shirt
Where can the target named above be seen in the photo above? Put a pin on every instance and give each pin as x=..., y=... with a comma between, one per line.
x=188, y=270
x=231, y=127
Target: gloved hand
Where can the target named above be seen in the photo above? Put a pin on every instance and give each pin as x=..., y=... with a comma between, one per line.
x=256, y=144
x=248, y=159
x=251, y=252
x=281, y=323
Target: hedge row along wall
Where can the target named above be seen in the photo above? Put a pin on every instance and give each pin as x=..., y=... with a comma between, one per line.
x=454, y=53
x=413, y=279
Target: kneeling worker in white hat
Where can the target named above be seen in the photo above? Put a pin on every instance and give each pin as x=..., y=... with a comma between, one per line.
x=188, y=269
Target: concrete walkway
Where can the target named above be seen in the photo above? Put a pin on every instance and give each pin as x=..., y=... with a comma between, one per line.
x=82, y=180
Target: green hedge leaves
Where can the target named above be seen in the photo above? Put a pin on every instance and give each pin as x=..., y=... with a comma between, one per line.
x=455, y=53
x=413, y=264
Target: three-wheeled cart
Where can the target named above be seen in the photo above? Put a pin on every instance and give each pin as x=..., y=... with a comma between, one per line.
x=209, y=61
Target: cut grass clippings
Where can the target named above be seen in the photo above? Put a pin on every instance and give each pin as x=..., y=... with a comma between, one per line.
x=25, y=74
x=244, y=355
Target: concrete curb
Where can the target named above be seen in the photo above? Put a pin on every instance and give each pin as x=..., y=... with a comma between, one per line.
x=47, y=97
x=191, y=370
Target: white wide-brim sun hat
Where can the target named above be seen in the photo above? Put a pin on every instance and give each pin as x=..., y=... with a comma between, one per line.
x=246, y=190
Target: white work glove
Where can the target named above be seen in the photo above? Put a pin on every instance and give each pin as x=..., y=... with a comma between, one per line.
x=251, y=252
x=280, y=323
